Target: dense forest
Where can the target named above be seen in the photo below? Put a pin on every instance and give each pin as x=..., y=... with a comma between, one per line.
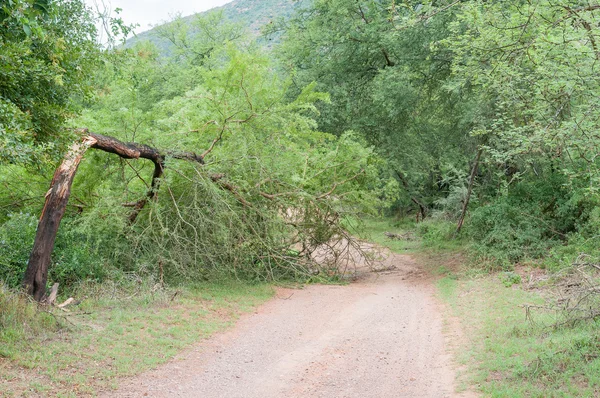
x=477, y=119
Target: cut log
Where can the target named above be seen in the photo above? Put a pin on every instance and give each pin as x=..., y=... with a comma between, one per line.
x=68, y=301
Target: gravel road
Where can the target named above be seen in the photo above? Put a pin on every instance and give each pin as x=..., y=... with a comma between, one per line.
x=379, y=337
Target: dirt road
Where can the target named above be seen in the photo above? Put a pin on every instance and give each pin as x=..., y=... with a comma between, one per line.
x=380, y=337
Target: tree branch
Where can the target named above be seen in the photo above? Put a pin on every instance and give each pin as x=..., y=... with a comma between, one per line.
x=337, y=184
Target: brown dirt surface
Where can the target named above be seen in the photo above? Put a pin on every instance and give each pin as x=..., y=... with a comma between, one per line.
x=378, y=337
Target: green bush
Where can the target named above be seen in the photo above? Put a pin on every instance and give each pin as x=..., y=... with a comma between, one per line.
x=578, y=245
x=81, y=252
x=528, y=221
x=501, y=232
x=16, y=239
x=90, y=247
x=590, y=224
x=76, y=259
x=436, y=232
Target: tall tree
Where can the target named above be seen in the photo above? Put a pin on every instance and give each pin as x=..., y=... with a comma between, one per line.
x=49, y=54
x=388, y=80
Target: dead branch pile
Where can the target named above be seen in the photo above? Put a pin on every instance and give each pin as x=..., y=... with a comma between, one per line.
x=574, y=296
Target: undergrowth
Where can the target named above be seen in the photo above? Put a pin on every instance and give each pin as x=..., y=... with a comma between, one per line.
x=21, y=320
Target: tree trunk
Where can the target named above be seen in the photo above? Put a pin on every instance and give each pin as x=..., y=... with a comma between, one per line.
x=36, y=275
x=422, y=211
x=57, y=197
x=461, y=220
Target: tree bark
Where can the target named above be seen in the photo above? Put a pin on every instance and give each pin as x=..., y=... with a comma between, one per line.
x=461, y=220
x=36, y=275
x=57, y=197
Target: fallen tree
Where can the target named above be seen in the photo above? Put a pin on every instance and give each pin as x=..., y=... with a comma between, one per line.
x=259, y=225
x=57, y=197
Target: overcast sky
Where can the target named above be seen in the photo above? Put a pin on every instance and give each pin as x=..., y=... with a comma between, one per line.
x=148, y=13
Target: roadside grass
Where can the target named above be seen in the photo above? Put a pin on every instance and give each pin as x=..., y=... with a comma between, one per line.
x=373, y=230
x=430, y=236
x=509, y=354
x=506, y=351
x=78, y=353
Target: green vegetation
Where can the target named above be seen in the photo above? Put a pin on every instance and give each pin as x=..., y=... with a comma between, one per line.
x=509, y=355
x=425, y=110
x=430, y=84
x=268, y=179
x=47, y=53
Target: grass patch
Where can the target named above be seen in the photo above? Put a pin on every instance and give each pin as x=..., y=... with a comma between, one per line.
x=430, y=236
x=511, y=356
x=374, y=229
x=105, y=338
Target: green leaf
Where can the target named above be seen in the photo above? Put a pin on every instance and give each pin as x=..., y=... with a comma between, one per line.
x=27, y=29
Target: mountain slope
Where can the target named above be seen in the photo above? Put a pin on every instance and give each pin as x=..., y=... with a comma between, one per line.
x=252, y=14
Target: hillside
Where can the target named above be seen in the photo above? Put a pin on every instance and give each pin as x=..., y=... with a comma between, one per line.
x=251, y=13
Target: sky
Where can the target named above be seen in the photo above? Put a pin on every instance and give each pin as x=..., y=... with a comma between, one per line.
x=148, y=13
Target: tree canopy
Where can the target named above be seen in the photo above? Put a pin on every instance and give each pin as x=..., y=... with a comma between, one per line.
x=432, y=84
x=49, y=55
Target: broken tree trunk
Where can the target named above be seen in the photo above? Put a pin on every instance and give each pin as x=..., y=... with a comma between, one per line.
x=36, y=275
x=461, y=220
x=57, y=197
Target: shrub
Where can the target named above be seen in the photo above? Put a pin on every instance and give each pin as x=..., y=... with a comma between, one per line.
x=528, y=221
x=76, y=259
x=502, y=232
x=90, y=247
x=436, y=232
x=16, y=239
x=84, y=249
